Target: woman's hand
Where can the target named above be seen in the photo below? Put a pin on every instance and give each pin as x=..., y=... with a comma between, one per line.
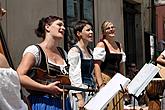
x=101, y=85
x=53, y=88
x=80, y=104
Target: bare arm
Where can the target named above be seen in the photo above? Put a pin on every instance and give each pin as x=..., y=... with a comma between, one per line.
x=26, y=64
x=161, y=60
x=97, y=72
x=97, y=69
x=123, y=62
x=122, y=68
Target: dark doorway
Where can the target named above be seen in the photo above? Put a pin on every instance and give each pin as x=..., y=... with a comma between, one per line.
x=129, y=31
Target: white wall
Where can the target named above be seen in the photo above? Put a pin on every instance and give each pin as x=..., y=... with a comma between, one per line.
x=109, y=10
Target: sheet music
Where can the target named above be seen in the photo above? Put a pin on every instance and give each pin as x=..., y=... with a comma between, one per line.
x=107, y=93
x=142, y=79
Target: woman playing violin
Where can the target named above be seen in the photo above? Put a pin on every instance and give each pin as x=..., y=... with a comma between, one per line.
x=48, y=56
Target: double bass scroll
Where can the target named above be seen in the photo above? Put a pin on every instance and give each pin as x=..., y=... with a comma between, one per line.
x=4, y=47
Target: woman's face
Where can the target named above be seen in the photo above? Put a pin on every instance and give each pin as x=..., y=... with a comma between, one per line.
x=110, y=30
x=57, y=29
x=87, y=33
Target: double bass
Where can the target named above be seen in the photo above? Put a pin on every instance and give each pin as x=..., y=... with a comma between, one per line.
x=3, y=45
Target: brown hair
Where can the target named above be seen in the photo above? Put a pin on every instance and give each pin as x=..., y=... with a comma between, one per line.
x=40, y=31
x=80, y=25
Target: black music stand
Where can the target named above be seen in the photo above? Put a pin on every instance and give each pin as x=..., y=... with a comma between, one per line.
x=132, y=95
x=111, y=88
x=122, y=91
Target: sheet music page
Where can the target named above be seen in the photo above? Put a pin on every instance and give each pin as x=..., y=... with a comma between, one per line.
x=107, y=93
x=142, y=79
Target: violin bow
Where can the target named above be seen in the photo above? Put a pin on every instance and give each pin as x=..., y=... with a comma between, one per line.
x=69, y=87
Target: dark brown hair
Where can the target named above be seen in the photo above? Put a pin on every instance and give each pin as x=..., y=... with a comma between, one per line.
x=80, y=25
x=40, y=31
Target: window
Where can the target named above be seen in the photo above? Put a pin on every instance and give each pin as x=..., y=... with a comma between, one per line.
x=75, y=10
x=159, y=1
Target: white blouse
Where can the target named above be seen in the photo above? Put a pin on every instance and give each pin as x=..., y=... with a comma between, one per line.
x=36, y=52
x=163, y=53
x=10, y=97
x=99, y=54
x=74, y=61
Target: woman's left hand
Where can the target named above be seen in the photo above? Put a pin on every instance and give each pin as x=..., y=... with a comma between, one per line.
x=80, y=104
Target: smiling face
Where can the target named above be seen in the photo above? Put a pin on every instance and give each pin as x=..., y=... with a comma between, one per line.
x=56, y=29
x=87, y=33
x=108, y=29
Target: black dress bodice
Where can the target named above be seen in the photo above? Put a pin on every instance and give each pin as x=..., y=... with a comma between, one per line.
x=111, y=64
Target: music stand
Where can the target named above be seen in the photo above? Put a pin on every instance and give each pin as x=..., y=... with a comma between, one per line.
x=107, y=93
x=122, y=91
x=141, y=80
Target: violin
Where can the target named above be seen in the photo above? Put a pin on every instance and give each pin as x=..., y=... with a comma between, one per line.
x=43, y=77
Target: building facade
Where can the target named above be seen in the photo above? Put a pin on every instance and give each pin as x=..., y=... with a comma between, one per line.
x=160, y=20
x=127, y=15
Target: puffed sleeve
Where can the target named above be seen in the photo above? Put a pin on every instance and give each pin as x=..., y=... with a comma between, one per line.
x=99, y=53
x=33, y=50
x=123, y=57
x=163, y=53
x=74, y=61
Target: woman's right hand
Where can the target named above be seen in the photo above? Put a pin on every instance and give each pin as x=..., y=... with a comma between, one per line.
x=53, y=88
x=101, y=86
x=80, y=104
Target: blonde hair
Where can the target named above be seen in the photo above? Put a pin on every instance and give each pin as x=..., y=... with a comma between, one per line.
x=104, y=26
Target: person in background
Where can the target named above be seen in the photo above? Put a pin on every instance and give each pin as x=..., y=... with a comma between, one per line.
x=131, y=70
x=42, y=63
x=81, y=64
x=109, y=59
x=10, y=97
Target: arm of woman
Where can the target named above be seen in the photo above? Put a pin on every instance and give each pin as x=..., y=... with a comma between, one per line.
x=122, y=63
x=122, y=68
x=97, y=73
x=161, y=58
x=74, y=61
x=26, y=64
x=98, y=56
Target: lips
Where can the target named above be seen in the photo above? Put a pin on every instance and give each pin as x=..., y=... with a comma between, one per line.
x=62, y=32
x=91, y=37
